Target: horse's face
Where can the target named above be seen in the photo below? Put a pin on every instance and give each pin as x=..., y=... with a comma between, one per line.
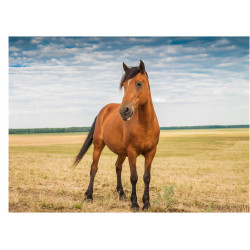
x=136, y=93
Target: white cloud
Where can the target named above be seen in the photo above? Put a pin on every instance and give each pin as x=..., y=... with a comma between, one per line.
x=219, y=42
x=13, y=49
x=159, y=100
x=36, y=40
x=141, y=40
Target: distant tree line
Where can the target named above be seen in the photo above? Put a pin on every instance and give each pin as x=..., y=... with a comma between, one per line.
x=205, y=127
x=48, y=130
x=86, y=129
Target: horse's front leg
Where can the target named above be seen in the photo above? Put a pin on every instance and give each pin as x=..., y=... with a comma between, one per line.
x=133, y=178
x=149, y=156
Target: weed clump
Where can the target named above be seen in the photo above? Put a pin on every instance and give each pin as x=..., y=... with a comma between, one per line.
x=164, y=201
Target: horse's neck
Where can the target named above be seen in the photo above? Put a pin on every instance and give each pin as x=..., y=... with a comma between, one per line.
x=146, y=113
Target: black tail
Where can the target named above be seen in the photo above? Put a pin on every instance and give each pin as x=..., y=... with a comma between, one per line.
x=86, y=144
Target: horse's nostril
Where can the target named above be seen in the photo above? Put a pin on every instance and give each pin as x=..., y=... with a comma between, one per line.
x=126, y=110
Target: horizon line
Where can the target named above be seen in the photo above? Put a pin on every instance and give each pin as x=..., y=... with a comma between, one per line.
x=183, y=126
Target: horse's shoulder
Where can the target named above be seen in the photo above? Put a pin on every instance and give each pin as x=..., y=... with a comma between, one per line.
x=109, y=112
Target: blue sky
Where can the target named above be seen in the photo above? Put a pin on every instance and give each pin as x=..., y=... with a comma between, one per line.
x=65, y=81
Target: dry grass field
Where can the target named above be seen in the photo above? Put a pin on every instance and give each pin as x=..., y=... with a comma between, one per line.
x=193, y=171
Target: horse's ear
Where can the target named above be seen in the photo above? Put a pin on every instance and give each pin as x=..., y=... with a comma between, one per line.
x=125, y=67
x=142, y=67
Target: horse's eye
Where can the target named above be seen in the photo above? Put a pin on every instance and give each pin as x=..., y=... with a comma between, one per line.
x=138, y=84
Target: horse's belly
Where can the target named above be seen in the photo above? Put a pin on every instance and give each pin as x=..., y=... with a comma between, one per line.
x=113, y=141
x=115, y=148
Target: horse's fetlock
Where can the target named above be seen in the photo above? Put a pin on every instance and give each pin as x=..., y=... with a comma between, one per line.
x=145, y=198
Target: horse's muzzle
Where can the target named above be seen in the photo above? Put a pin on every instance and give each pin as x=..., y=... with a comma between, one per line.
x=126, y=111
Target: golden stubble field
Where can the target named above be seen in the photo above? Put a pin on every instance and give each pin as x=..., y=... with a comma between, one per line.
x=193, y=171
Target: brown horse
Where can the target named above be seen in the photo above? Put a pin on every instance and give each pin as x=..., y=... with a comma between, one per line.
x=128, y=129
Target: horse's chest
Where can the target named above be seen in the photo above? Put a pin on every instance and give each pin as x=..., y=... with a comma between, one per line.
x=143, y=141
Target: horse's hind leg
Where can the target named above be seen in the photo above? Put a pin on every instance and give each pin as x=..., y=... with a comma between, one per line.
x=118, y=166
x=149, y=156
x=98, y=147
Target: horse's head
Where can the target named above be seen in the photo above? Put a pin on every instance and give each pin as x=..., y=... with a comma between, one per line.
x=136, y=90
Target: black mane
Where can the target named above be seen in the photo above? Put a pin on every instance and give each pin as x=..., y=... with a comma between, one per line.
x=129, y=74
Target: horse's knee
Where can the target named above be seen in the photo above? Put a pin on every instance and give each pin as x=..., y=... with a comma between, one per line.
x=146, y=177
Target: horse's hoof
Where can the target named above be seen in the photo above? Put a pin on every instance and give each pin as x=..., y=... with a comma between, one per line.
x=146, y=207
x=88, y=198
x=135, y=208
x=123, y=197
